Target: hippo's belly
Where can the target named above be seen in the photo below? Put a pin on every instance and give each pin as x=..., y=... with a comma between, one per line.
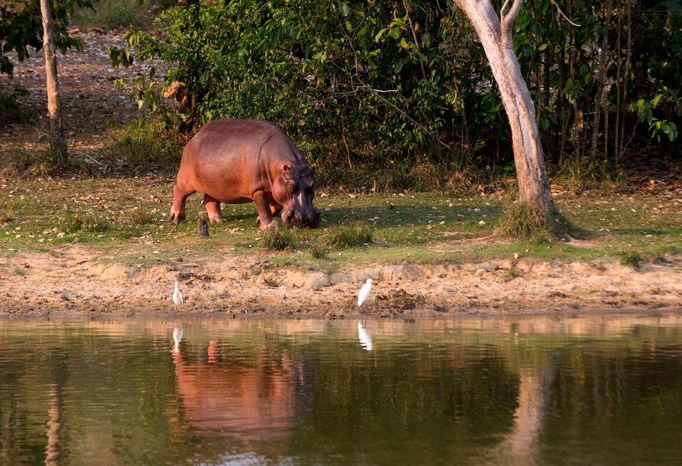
x=226, y=168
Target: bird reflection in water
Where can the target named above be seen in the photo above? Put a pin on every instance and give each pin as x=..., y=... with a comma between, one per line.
x=364, y=337
x=177, y=338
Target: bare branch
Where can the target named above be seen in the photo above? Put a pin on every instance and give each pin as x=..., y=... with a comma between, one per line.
x=504, y=7
x=562, y=14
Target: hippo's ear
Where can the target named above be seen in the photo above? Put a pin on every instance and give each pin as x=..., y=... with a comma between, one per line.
x=286, y=177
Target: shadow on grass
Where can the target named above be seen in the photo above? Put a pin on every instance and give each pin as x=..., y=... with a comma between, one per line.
x=399, y=216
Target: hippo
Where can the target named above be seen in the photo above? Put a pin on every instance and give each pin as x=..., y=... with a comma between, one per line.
x=237, y=161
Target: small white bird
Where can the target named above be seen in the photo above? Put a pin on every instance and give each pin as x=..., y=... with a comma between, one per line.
x=363, y=294
x=365, y=338
x=177, y=296
x=177, y=338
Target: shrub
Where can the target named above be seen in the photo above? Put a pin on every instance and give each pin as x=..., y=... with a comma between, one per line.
x=319, y=252
x=276, y=240
x=350, y=236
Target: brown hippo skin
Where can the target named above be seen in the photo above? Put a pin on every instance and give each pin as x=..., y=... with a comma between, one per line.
x=238, y=161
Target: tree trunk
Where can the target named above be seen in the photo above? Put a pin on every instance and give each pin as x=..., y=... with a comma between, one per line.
x=57, y=140
x=601, y=95
x=495, y=35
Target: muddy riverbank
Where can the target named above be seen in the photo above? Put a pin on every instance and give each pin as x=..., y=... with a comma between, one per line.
x=73, y=281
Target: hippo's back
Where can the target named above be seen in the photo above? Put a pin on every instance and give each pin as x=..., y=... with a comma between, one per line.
x=232, y=138
x=223, y=158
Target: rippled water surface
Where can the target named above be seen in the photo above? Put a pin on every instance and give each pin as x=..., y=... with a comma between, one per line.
x=602, y=390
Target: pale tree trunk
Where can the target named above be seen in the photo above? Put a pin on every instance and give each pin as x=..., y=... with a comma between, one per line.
x=57, y=139
x=495, y=34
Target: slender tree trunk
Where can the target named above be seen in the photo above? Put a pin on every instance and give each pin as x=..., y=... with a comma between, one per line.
x=619, y=52
x=600, y=97
x=57, y=139
x=495, y=34
x=626, y=80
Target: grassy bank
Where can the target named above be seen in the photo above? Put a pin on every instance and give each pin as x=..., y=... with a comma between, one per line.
x=131, y=215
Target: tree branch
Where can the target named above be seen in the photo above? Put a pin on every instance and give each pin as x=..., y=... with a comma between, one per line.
x=504, y=7
x=565, y=17
x=507, y=22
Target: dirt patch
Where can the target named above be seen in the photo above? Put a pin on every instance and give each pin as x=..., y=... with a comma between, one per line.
x=90, y=100
x=75, y=281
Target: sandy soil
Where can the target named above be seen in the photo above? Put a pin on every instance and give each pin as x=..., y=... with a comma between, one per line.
x=74, y=282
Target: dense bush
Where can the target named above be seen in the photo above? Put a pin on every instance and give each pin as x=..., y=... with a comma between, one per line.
x=398, y=88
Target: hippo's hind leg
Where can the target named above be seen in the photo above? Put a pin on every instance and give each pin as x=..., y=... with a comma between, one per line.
x=213, y=208
x=180, y=195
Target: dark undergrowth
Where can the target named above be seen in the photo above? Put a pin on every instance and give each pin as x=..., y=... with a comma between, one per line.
x=146, y=147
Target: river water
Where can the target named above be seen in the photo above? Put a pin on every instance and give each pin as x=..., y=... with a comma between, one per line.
x=598, y=390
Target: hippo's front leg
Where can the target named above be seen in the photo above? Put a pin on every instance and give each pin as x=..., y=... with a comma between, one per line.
x=213, y=208
x=263, y=199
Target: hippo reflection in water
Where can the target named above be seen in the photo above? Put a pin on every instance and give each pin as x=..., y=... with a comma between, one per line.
x=255, y=402
x=239, y=161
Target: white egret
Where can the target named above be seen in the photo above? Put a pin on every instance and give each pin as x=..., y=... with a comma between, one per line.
x=365, y=338
x=364, y=292
x=177, y=338
x=177, y=296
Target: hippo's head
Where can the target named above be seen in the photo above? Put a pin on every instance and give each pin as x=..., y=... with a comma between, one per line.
x=295, y=192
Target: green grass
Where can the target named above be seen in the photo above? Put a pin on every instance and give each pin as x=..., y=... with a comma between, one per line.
x=525, y=222
x=277, y=240
x=129, y=217
x=632, y=259
x=110, y=14
x=319, y=252
x=348, y=236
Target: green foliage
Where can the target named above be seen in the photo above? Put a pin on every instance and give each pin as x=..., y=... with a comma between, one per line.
x=144, y=146
x=21, y=28
x=10, y=110
x=319, y=252
x=371, y=90
x=645, y=113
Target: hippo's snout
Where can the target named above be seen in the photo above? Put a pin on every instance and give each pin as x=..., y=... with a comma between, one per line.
x=309, y=218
